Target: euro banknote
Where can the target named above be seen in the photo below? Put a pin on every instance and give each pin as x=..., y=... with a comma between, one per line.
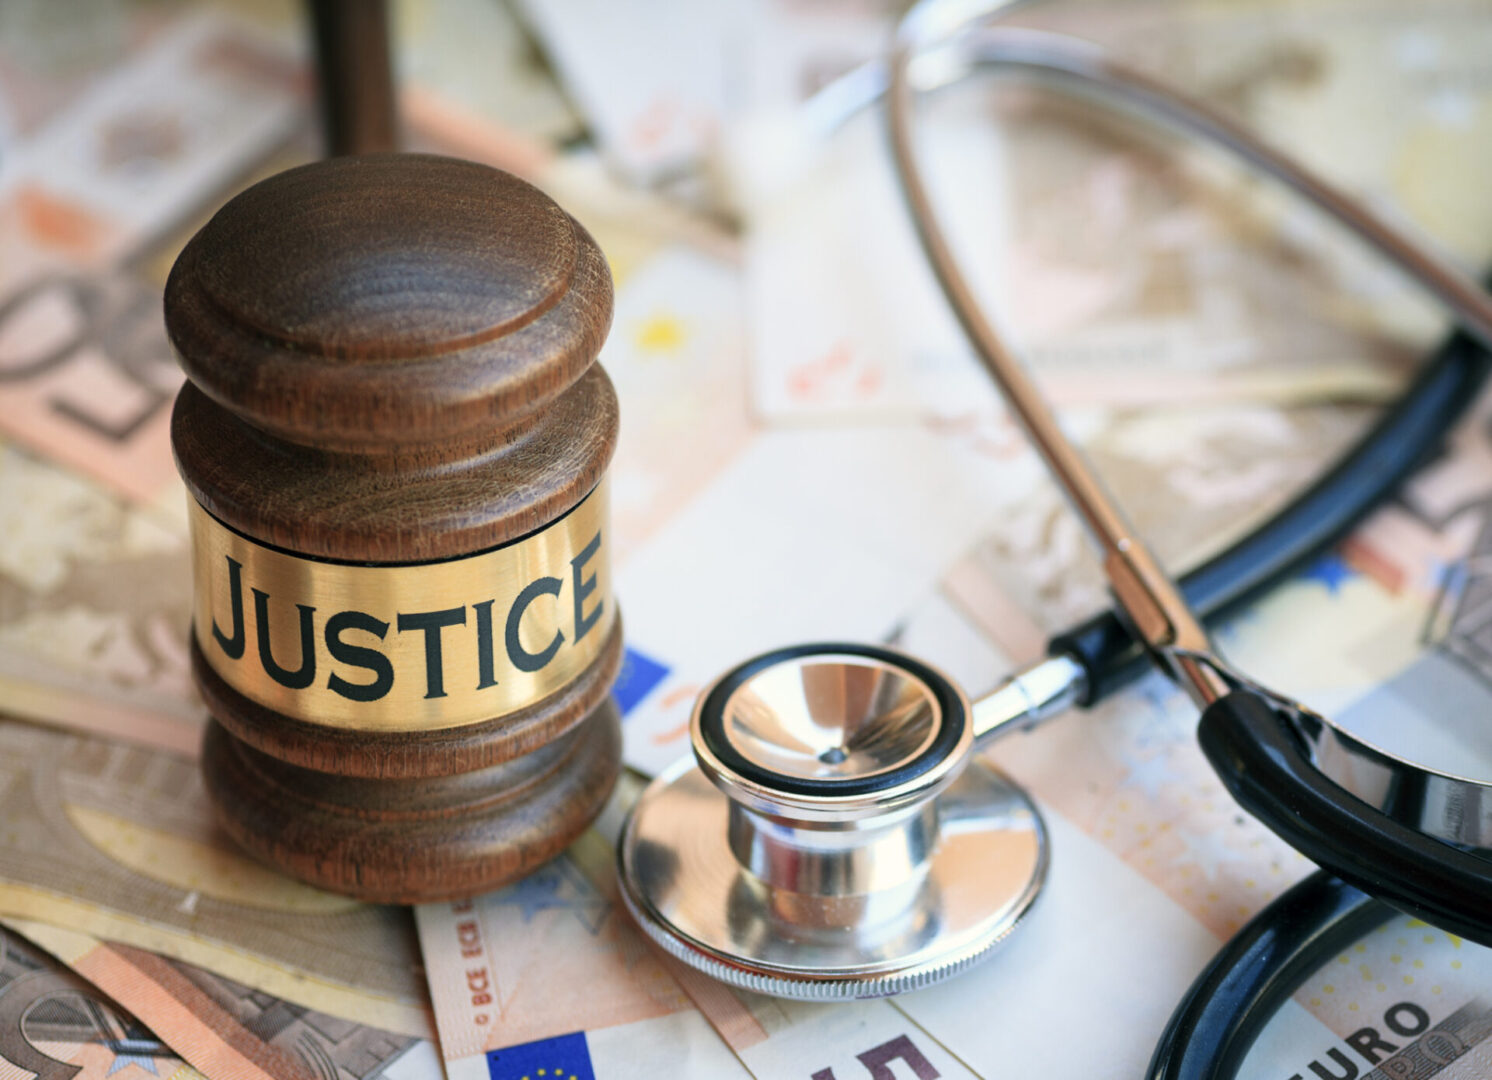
x=95, y=602
x=1126, y=269
x=226, y=1029
x=107, y=182
x=55, y=1024
x=1405, y=1000
x=549, y=974
x=118, y=842
x=795, y=535
x=85, y=373
x=662, y=124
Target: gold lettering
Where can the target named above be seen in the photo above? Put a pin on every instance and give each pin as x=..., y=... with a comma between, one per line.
x=403, y=648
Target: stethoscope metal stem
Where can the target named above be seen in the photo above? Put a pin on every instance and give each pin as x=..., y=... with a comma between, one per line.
x=1028, y=697
x=1161, y=618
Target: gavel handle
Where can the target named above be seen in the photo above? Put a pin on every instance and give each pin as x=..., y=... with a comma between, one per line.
x=354, y=77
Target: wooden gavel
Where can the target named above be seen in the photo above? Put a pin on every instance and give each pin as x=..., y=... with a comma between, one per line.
x=396, y=438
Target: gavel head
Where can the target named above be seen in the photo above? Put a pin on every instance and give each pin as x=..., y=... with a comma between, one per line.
x=396, y=438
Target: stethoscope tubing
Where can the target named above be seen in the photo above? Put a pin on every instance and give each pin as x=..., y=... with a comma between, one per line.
x=1405, y=436
x=1408, y=434
x=1254, y=974
x=1106, y=646
x=1378, y=830
x=1258, y=754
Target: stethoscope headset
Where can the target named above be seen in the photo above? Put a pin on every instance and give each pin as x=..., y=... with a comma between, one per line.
x=835, y=837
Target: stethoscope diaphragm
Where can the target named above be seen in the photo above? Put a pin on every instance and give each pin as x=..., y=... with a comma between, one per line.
x=834, y=837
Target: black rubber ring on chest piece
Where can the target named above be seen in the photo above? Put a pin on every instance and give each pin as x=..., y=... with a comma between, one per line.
x=953, y=722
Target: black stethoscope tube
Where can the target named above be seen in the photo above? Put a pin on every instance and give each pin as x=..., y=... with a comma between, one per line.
x=1409, y=433
x=1251, y=977
x=1258, y=754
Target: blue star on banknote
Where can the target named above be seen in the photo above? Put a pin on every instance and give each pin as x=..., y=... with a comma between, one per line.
x=558, y=885
x=144, y=1061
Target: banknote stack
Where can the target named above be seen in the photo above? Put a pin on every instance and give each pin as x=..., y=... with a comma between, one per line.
x=800, y=410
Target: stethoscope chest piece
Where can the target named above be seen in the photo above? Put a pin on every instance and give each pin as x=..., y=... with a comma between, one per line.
x=834, y=837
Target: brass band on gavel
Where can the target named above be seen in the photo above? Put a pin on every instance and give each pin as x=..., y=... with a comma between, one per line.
x=396, y=438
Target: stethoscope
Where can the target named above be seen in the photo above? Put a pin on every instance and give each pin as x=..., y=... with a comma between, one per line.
x=834, y=836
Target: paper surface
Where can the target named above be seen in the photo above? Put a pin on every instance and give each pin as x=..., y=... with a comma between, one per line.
x=59, y=1025
x=118, y=842
x=227, y=1029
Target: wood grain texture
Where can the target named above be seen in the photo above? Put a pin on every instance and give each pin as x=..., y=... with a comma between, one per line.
x=413, y=842
x=444, y=503
x=391, y=359
x=440, y=320
x=354, y=75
